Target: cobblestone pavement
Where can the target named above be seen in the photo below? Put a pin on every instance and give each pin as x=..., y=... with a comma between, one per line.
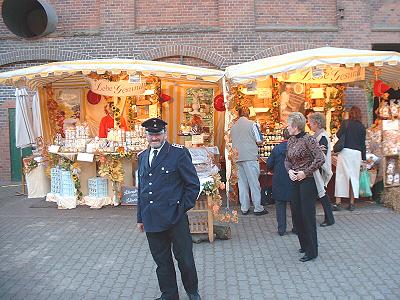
x=47, y=253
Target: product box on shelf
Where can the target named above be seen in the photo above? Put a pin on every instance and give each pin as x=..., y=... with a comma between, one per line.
x=55, y=179
x=67, y=184
x=98, y=187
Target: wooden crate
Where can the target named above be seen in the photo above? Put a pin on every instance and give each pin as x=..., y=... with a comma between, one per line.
x=201, y=219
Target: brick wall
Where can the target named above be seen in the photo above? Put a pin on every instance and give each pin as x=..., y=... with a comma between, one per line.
x=210, y=33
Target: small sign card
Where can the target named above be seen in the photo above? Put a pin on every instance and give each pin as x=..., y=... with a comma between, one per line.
x=197, y=139
x=54, y=148
x=390, y=124
x=85, y=157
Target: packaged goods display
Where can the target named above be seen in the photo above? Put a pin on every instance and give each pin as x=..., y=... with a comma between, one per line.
x=271, y=139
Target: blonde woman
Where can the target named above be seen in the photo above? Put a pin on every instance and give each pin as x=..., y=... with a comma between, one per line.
x=304, y=157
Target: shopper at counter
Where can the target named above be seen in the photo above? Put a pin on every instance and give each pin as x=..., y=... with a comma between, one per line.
x=349, y=159
x=304, y=157
x=168, y=188
x=317, y=124
x=245, y=137
x=281, y=183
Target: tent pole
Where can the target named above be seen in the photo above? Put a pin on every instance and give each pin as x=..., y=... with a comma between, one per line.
x=23, y=181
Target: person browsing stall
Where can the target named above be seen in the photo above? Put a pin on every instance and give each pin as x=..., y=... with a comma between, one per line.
x=317, y=124
x=245, y=137
x=349, y=160
x=168, y=188
x=304, y=157
x=281, y=183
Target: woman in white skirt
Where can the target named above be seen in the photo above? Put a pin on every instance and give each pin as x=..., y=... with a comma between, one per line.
x=349, y=159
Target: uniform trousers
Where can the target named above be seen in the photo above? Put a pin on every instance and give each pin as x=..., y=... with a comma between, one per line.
x=248, y=173
x=303, y=209
x=160, y=247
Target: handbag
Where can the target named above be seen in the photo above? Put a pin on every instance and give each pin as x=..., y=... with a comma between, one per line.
x=339, y=145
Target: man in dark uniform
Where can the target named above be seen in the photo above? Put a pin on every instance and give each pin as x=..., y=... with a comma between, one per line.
x=168, y=188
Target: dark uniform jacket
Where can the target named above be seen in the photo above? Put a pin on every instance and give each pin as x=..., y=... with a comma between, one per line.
x=167, y=189
x=281, y=184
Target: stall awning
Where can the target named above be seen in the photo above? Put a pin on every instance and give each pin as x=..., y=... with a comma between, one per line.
x=72, y=73
x=387, y=61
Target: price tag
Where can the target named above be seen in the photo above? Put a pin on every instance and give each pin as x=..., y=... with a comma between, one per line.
x=390, y=125
x=197, y=139
x=54, y=148
x=153, y=111
x=85, y=157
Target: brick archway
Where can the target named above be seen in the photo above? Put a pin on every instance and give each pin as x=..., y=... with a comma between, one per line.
x=283, y=48
x=40, y=54
x=184, y=50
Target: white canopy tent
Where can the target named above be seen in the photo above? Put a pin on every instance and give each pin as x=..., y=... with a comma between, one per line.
x=387, y=61
x=73, y=73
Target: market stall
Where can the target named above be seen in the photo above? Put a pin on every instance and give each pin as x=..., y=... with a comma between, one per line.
x=90, y=116
x=319, y=79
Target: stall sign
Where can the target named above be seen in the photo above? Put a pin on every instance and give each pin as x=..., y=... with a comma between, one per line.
x=118, y=88
x=264, y=93
x=129, y=195
x=329, y=75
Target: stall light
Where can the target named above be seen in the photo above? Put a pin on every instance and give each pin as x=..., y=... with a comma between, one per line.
x=115, y=72
x=378, y=63
x=146, y=73
x=263, y=78
x=176, y=75
x=317, y=73
x=86, y=72
x=57, y=73
x=101, y=71
x=191, y=77
x=131, y=72
x=160, y=74
x=392, y=62
x=44, y=74
x=30, y=76
x=350, y=65
x=364, y=64
x=134, y=78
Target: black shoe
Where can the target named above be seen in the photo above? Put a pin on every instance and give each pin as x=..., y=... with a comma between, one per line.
x=281, y=233
x=306, y=258
x=301, y=250
x=337, y=206
x=194, y=296
x=324, y=224
x=294, y=231
x=161, y=298
x=351, y=207
x=260, y=213
x=245, y=212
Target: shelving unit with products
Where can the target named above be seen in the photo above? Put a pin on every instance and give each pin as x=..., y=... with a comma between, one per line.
x=271, y=139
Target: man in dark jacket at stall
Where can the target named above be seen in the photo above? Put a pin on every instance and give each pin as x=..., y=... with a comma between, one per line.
x=168, y=188
x=281, y=183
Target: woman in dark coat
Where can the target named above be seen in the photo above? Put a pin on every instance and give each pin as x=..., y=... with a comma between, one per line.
x=281, y=183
